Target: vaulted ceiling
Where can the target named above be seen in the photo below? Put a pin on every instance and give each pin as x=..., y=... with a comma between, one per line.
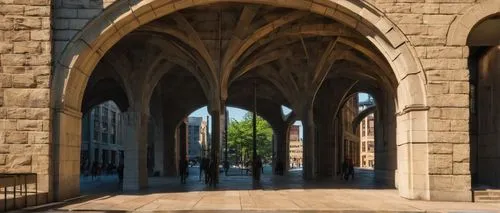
x=286, y=53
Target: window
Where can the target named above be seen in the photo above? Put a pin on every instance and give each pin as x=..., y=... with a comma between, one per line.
x=104, y=128
x=97, y=125
x=363, y=148
x=112, y=129
x=370, y=147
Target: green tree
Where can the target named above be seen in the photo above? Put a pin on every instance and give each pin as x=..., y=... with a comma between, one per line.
x=240, y=138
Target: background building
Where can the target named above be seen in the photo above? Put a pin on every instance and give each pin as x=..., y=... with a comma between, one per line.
x=351, y=140
x=197, y=135
x=296, y=148
x=100, y=139
x=367, y=136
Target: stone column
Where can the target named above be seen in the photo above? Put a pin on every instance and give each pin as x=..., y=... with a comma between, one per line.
x=134, y=126
x=66, y=180
x=309, y=169
x=326, y=147
x=217, y=117
x=183, y=139
x=282, y=151
x=337, y=151
x=159, y=151
x=169, y=154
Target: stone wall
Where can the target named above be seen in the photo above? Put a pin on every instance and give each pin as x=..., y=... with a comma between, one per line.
x=426, y=24
x=70, y=16
x=25, y=57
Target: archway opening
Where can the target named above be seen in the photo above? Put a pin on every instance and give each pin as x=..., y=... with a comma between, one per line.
x=484, y=57
x=296, y=148
x=102, y=150
x=273, y=48
x=367, y=141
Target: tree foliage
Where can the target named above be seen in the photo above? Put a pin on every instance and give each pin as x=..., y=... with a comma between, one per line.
x=240, y=138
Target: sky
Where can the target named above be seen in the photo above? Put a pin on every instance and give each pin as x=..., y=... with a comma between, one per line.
x=238, y=114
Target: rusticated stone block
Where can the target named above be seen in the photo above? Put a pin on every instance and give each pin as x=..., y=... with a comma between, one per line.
x=8, y=124
x=37, y=11
x=38, y=137
x=440, y=182
x=461, y=168
x=29, y=125
x=440, y=148
x=449, y=137
x=3, y=159
x=37, y=113
x=23, y=81
x=40, y=35
x=27, y=23
x=444, y=52
x=27, y=97
x=16, y=137
x=18, y=160
x=440, y=164
x=19, y=113
x=10, y=9
x=4, y=148
x=6, y=47
x=461, y=153
x=27, y=47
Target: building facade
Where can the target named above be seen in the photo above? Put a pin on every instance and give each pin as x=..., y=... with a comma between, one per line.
x=431, y=65
x=351, y=140
x=296, y=147
x=101, y=141
x=197, y=137
x=367, y=133
x=367, y=140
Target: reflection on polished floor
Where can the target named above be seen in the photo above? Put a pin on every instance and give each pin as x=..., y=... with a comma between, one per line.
x=237, y=193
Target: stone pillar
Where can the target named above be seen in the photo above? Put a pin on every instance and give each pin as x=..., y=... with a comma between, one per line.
x=159, y=151
x=309, y=168
x=135, y=174
x=282, y=151
x=66, y=180
x=337, y=150
x=183, y=139
x=216, y=139
x=326, y=147
x=169, y=154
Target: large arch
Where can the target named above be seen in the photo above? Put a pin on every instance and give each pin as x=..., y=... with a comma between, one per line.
x=461, y=28
x=75, y=65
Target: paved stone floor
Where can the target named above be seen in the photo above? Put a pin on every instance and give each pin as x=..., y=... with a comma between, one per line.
x=237, y=193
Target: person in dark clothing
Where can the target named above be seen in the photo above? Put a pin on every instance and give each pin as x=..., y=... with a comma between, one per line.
x=351, y=169
x=183, y=167
x=279, y=168
x=206, y=169
x=120, y=173
x=202, y=160
x=345, y=169
x=258, y=167
x=212, y=170
x=226, y=167
x=94, y=169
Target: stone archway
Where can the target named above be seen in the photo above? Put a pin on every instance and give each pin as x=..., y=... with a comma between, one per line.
x=80, y=57
x=473, y=31
x=462, y=26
